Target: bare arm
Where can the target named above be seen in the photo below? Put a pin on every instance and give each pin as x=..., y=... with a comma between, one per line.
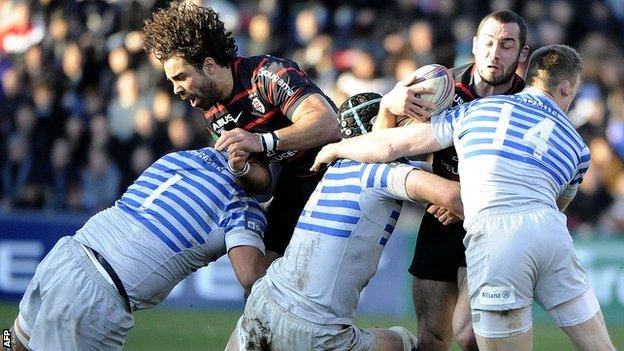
x=249, y=265
x=382, y=146
x=427, y=187
x=314, y=124
x=258, y=179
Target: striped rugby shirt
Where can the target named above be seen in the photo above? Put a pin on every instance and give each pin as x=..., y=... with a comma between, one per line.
x=514, y=150
x=337, y=243
x=182, y=213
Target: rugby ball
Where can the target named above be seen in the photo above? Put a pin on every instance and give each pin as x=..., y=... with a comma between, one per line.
x=441, y=80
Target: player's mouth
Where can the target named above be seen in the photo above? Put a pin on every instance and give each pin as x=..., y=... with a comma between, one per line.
x=193, y=101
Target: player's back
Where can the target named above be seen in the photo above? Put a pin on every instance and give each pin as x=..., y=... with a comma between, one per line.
x=172, y=221
x=517, y=150
x=338, y=241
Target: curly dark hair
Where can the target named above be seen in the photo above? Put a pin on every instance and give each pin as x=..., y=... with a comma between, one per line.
x=190, y=32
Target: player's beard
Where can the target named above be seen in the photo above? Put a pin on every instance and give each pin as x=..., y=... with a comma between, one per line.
x=207, y=95
x=504, y=79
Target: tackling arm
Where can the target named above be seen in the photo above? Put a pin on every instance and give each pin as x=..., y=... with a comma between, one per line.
x=382, y=146
x=423, y=186
x=258, y=179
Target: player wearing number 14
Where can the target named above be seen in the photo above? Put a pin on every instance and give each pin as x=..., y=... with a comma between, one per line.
x=520, y=161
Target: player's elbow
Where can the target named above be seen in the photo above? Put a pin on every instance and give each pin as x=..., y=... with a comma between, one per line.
x=247, y=280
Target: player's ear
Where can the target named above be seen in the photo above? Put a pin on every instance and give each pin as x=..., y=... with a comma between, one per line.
x=209, y=65
x=565, y=88
x=474, y=45
x=524, y=53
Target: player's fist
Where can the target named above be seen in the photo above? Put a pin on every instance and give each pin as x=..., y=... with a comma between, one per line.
x=444, y=215
x=327, y=155
x=237, y=159
x=238, y=139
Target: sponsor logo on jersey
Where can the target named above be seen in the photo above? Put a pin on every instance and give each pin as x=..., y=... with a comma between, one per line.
x=275, y=157
x=451, y=167
x=497, y=295
x=256, y=227
x=457, y=100
x=279, y=81
x=218, y=124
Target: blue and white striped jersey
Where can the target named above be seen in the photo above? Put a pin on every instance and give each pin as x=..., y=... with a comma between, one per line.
x=338, y=241
x=183, y=212
x=513, y=150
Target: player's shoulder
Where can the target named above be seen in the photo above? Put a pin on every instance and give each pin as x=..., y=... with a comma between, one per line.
x=462, y=73
x=263, y=63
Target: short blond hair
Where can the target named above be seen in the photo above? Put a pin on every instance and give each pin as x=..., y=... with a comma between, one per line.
x=550, y=65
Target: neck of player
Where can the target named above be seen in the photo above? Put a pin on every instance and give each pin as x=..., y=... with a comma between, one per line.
x=484, y=89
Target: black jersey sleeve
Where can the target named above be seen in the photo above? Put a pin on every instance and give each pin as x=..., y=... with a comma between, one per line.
x=283, y=84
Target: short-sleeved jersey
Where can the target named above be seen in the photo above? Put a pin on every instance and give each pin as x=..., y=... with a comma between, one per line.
x=182, y=213
x=516, y=150
x=338, y=241
x=266, y=92
x=445, y=160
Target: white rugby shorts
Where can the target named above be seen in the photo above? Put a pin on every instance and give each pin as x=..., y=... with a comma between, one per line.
x=265, y=325
x=69, y=305
x=515, y=256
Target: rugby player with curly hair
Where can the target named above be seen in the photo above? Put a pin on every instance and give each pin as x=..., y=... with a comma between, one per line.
x=262, y=105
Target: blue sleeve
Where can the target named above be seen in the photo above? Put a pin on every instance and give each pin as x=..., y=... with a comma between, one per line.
x=444, y=124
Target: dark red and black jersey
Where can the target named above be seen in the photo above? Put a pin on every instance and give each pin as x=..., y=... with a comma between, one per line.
x=266, y=92
x=445, y=161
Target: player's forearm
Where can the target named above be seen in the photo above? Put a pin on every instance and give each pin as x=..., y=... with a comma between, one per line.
x=249, y=265
x=427, y=187
x=388, y=144
x=257, y=180
x=384, y=119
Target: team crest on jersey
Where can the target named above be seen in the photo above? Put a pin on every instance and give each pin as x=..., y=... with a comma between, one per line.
x=257, y=105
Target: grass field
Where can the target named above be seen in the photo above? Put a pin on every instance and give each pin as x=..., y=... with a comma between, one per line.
x=164, y=329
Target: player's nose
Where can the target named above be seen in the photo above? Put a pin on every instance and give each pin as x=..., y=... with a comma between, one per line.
x=177, y=89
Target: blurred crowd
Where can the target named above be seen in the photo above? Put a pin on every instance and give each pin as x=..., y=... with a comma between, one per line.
x=83, y=110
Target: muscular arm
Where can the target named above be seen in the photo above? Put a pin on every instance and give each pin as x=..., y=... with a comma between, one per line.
x=382, y=146
x=249, y=265
x=314, y=124
x=423, y=186
x=258, y=179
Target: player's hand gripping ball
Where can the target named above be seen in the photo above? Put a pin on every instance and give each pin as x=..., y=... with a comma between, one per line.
x=441, y=81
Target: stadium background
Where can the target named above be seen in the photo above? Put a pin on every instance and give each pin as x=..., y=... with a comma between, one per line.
x=83, y=111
